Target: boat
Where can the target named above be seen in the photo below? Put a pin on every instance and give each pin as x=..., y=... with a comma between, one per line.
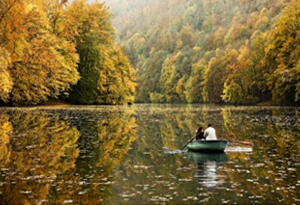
x=207, y=145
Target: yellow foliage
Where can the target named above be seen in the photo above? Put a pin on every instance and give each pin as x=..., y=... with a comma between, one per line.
x=5, y=135
x=43, y=64
x=282, y=55
x=180, y=88
x=5, y=78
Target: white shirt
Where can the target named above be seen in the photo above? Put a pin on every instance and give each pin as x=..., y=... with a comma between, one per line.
x=210, y=134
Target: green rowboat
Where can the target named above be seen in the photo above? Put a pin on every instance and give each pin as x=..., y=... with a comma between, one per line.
x=207, y=146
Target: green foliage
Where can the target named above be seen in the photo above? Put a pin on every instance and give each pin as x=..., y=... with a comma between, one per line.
x=106, y=75
x=157, y=98
x=213, y=50
x=195, y=89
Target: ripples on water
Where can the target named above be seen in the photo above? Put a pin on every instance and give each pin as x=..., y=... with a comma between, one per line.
x=238, y=149
x=131, y=155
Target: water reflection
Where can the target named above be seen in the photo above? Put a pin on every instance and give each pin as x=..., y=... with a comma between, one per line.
x=121, y=155
x=36, y=150
x=207, y=164
x=61, y=156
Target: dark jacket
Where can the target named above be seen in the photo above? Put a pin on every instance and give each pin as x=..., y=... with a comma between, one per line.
x=200, y=135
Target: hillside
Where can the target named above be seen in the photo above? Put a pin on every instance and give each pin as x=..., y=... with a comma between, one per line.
x=195, y=51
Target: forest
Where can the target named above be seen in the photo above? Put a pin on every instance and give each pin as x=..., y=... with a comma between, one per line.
x=212, y=51
x=171, y=51
x=61, y=51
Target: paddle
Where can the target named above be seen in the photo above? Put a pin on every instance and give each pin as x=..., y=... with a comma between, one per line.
x=188, y=142
x=242, y=142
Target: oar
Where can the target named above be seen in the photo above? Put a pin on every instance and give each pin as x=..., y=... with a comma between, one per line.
x=242, y=142
x=187, y=143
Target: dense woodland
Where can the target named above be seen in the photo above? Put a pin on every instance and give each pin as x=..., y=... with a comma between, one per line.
x=61, y=50
x=216, y=51
x=175, y=51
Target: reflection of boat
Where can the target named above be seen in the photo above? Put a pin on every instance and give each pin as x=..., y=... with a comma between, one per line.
x=207, y=145
x=198, y=157
x=207, y=164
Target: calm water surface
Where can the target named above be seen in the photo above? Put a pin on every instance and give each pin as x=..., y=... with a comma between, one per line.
x=131, y=155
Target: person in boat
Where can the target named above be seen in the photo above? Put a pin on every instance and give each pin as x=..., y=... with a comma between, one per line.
x=200, y=133
x=210, y=133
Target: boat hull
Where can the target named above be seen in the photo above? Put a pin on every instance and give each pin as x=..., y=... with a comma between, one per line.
x=207, y=146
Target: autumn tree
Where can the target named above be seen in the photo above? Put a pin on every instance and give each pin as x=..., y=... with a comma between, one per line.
x=245, y=83
x=106, y=75
x=5, y=77
x=195, y=83
x=179, y=26
x=39, y=67
x=282, y=56
x=152, y=88
x=215, y=75
x=168, y=80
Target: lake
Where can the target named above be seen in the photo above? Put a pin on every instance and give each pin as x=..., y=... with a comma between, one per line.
x=132, y=155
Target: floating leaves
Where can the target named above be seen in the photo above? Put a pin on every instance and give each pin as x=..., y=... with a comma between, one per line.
x=108, y=155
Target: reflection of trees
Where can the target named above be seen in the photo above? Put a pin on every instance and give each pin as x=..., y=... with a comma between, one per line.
x=263, y=175
x=276, y=135
x=42, y=148
x=152, y=177
x=173, y=124
x=262, y=125
x=177, y=123
x=106, y=137
x=43, y=159
x=5, y=133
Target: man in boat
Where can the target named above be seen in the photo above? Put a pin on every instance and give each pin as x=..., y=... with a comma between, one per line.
x=210, y=133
